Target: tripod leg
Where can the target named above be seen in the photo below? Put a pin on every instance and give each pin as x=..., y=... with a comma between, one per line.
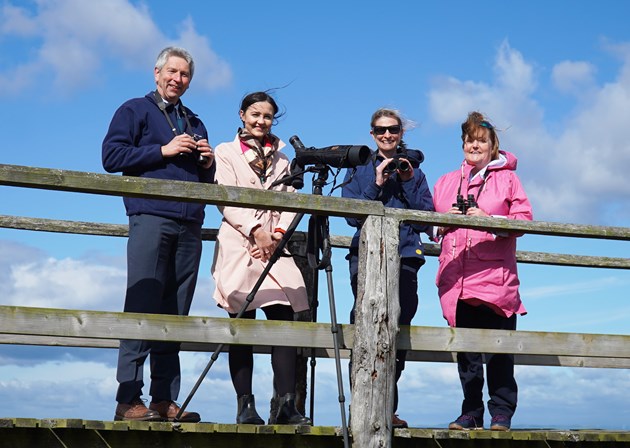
x=335, y=331
x=250, y=297
x=313, y=363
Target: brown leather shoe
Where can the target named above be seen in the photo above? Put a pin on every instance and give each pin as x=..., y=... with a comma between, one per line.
x=136, y=410
x=168, y=410
x=398, y=422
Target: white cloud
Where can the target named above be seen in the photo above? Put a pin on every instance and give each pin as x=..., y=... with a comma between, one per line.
x=16, y=21
x=210, y=70
x=573, y=76
x=574, y=174
x=451, y=99
x=29, y=277
x=513, y=73
x=66, y=283
x=563, y=396
x=74, y=39
x=569, y=290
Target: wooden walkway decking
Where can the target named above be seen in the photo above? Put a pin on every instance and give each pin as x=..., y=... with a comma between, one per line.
x=76, y=433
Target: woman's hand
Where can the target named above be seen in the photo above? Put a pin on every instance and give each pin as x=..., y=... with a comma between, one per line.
x=475, y=211
x=265, y=243
x=454, y=210
x=407, y=174
x=382, y=176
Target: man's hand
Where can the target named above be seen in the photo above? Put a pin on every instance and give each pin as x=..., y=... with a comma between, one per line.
x=181, y=144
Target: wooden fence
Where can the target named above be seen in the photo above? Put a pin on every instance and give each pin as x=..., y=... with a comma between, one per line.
x=375, y=336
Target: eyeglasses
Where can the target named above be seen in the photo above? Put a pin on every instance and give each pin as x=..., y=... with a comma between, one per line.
x=485, y=124
x=381, y=130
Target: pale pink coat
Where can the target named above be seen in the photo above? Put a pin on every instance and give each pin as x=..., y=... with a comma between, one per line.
x=475, y=265
x=235, y=272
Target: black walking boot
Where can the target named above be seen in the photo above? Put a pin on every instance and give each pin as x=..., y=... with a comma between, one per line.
x=288, y=414
x=246, y=413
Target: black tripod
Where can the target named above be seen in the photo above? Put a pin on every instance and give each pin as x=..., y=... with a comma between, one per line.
x=318, y=240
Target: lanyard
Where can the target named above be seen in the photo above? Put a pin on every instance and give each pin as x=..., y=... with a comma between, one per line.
x=483, y=183
x=162, y=105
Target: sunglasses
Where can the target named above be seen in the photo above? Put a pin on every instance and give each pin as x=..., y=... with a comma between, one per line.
x=381, y=130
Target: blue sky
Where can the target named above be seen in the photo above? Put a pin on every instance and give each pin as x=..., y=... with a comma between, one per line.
x=553, y=76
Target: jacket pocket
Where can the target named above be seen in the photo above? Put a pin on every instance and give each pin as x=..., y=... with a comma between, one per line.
x=488, y=249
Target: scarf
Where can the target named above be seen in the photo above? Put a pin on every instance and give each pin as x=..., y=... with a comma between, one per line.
x=259, y=154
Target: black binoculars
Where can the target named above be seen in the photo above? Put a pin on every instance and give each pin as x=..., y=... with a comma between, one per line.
x=397, y=164
x=201, y=159
x=464, y=204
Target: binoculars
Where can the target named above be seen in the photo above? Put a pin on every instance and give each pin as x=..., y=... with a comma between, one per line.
x=397, y=164
x=464, y=204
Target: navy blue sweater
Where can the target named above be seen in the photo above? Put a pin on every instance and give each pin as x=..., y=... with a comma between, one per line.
x=412, y=194
x=133, y=145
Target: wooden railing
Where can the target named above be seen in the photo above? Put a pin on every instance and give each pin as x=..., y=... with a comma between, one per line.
x=373, y=335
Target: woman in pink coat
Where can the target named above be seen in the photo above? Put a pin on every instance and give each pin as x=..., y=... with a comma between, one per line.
x=246, y=240
x=477, y=277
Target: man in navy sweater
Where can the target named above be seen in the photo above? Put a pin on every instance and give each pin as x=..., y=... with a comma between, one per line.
x=157, y=137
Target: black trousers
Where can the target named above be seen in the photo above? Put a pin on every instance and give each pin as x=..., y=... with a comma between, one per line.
x=162, y=266
x=241, y=357
x=502, y=386
x=407, y=296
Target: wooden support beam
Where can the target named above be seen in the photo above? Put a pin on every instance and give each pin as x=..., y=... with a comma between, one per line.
x=377, y=310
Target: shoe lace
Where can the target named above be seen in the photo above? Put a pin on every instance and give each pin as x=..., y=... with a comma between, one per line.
x=500, y=418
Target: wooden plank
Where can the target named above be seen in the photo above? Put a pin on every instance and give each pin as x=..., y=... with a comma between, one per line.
x=62, y=433
x=499, y=224
x=412, y=355
x=515, y=342
x=430, y=249
x=52, y=322
x=116, y=185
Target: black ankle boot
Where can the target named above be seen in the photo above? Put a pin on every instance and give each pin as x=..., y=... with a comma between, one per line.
x=288, y=414
x=246, y=413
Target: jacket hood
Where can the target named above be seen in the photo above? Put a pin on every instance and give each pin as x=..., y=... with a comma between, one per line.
x=506, y=161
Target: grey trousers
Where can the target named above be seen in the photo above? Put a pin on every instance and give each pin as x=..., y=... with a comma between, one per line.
x=162, y=265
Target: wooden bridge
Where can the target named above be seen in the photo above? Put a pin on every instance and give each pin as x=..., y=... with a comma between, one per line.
x=378, y=339
x=66, y=433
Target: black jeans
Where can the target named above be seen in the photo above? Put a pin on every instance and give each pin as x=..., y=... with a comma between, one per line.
x=241, y=357
x=502, y=386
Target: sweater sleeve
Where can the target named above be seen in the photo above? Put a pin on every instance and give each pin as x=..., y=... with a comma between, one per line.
x=119, y=151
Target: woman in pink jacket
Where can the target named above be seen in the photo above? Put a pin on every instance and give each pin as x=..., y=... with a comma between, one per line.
x=477, y=277
x=246, y=240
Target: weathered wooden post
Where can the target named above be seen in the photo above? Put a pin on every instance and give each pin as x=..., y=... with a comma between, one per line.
x=376, y=327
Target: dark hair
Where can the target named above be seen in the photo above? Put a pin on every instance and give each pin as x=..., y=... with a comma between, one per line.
x=258, y=97
x=476, y=122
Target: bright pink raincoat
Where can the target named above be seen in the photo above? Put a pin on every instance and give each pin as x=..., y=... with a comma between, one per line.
x=475, y=265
